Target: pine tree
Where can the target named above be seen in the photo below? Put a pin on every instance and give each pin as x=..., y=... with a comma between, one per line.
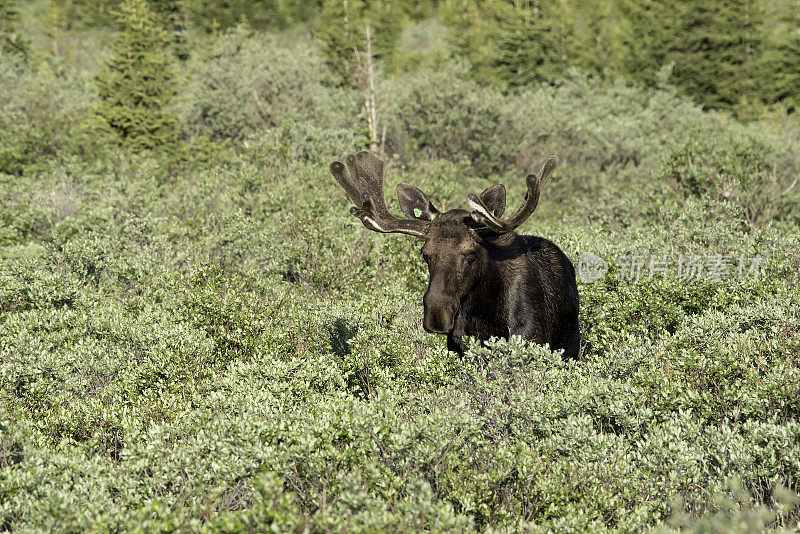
x=716, y=54
x=781, y=61
x=10, y=39
x=174, y=15
x=598, y=34
x=209, y=14
x=533, y=45
x=515, y=43
x=647, y=29
x=343, y=30
x=339, y=35
x=136, y=84
x=714, y=46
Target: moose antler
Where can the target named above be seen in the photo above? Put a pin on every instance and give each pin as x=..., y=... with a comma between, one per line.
x=534, y=181
x=364, y=186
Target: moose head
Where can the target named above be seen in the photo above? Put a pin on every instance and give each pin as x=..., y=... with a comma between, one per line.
x=461, y=247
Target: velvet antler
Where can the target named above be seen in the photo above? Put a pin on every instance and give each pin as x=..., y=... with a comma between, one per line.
x=484, y=215
x=364, y=186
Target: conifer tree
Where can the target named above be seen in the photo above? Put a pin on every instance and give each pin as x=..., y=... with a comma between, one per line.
x=533, y=45
x=136, y=84
x=339, y=35
x=344, y=25
x=511, y=44
x=208, y=14
x=10, y=39
x=598, y=31
x=716, y=54
x=714, y=46
x=174, y=15
x=781, y=61
x=648, y=29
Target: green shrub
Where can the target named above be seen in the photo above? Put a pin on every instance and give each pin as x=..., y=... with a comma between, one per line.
x=209, y=341
x=743, y=170
x=247, y=85
x=444, y=116
x=40, y=114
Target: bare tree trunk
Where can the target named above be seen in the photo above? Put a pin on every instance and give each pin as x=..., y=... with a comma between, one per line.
x=366, y=81
x=373, y=123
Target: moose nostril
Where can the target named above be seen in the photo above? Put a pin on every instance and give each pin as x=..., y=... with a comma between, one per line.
x=432, y=324
x=439, y=316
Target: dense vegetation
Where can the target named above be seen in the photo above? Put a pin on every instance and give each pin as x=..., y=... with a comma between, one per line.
x=742, y=56
x=195, y=335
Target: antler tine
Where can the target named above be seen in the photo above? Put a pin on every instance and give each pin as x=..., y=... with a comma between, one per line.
x=364, y=186
x=534, y=182
x=369, y=171
x=353, y=191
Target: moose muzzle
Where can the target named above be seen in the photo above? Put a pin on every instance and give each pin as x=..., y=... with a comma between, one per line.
x=440, y=313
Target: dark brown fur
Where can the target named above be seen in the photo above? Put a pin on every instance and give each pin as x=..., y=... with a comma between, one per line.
x=498, y=286
x=485, y=280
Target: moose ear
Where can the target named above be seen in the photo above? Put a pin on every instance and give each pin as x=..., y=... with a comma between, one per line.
x=415, y=204
x=494, y=199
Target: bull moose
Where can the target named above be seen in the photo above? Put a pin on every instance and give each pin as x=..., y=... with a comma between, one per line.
x=485, y=280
